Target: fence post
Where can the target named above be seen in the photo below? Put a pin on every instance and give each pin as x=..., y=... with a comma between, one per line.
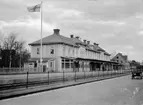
x=84, y=74
x=63, y=76
x=98, y=73
x=95, y=73
x=92, y=73
x=121, y=71
x=27, y=80
x=107, y=73
x=3, y=69
x=75, y=75
x=48, y=78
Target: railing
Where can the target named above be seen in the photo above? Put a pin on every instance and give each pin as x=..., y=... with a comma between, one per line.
x=18, y=70
x=26, y=79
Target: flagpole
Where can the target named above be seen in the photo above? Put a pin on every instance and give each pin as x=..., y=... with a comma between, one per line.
x=41, y=60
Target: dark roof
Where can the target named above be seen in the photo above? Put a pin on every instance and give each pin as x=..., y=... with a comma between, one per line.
x=54, y=39
x=124, y=57
x=99, y=48
x=88, y=47
x=78, y=41
x=107, y=53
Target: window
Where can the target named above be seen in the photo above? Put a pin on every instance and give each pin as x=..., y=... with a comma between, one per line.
x=52, y=51
x=38, y=51
x=51, y=64
x=66, y=63
x=35, y=64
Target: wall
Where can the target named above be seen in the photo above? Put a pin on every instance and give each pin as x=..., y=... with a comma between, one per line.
x=46, y=49
x=67, y=51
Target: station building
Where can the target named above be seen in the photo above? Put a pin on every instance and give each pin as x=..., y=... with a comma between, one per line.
x=70, y=54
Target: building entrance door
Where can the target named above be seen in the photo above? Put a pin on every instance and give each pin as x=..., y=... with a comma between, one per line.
x=52, y=65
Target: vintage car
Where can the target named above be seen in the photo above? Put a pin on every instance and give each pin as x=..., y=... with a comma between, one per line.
x=137, y=74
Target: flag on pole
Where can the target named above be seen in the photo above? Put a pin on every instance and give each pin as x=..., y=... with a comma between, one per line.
x=38, y=8
x=35, y=8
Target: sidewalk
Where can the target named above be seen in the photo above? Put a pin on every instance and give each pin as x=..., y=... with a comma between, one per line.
x=34, y=89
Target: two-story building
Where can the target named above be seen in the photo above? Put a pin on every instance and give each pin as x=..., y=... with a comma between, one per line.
x=70, y=54
x=122, y=60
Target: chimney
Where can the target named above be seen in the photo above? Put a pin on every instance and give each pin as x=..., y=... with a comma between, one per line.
x=95, y=44
x=84, y=41
x=72, y=36
x=77, y=37
x=88, y=42
x=57, y=31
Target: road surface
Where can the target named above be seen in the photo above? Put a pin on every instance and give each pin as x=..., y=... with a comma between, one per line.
x=117, y=91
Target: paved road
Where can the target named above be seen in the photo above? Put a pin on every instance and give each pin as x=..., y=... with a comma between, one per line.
x=117, y=91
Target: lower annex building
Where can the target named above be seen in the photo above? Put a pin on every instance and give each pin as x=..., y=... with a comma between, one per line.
x=69, y=54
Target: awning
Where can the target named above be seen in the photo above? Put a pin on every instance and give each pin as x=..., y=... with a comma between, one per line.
x=96, y=60
x=72, y=58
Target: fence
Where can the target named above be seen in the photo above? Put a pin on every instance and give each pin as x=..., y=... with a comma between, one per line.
x=26, y=79
x=18, y=70
x=8, y=71
x=23, y=70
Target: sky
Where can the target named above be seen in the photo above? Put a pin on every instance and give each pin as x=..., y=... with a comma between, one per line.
x=116, y=25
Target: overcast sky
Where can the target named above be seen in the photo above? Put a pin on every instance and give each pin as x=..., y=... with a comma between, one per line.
x=117, y=25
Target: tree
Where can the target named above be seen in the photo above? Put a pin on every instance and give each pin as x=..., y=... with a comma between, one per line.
x=134, y=64
x=10, y=44
x=25, y=55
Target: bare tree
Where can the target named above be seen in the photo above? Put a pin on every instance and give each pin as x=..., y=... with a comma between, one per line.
x=11, y=43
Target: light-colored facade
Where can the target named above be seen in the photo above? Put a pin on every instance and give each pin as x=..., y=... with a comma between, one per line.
x=69, y=54
x=121, y=59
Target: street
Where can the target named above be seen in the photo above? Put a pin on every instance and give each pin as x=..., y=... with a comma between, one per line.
x=117, y=91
